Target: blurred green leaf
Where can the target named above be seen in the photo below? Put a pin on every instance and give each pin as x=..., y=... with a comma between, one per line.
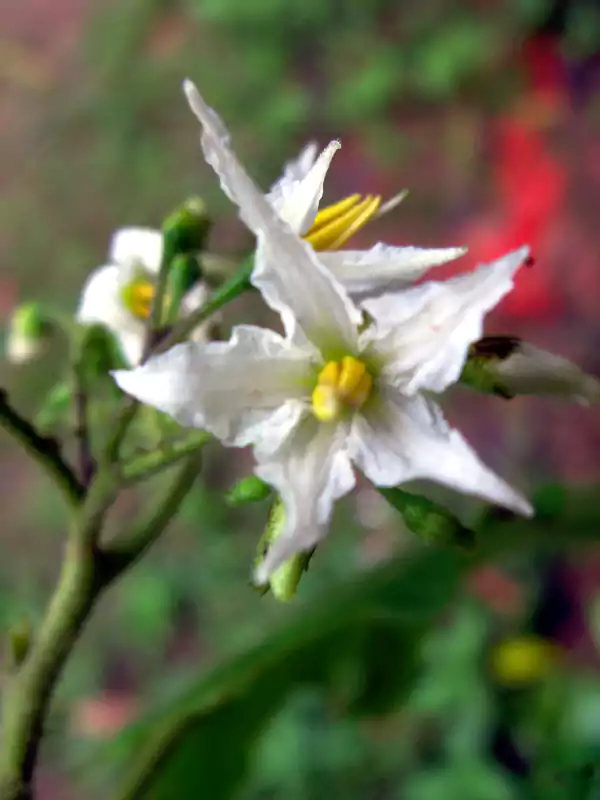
x=202, y=746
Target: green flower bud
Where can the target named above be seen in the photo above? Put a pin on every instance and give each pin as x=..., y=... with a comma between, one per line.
x=29, y=333
x=186, y=229
x=57, y=404
x=284, y=582
x=248, y=490
x=428, y=520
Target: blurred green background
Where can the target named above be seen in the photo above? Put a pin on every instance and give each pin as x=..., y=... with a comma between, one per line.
x=489, y=113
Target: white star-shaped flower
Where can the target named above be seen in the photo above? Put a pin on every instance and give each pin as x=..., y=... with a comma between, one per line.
x=330, y=395
x=119, y=294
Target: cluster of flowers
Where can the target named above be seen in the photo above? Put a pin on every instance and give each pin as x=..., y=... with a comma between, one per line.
x=352, y=381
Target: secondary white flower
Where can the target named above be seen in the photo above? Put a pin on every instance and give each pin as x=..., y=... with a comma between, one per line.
x=515, y=368
x=296, y=197
x=119, y=294
x=329, y=395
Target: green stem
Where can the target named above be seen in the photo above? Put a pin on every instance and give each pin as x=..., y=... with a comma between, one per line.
x=87, y=571
x=43, y=449
x=148, y=464
x=236, y=285
x=127, y=549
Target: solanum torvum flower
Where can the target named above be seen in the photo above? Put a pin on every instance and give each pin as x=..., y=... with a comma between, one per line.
x=339, y=390
x=120, y=294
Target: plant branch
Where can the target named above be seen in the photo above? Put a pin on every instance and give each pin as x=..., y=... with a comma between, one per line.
x=143, y=466
x=236, y=285
x=126, y=550
x=43, y=449
x=86, y=572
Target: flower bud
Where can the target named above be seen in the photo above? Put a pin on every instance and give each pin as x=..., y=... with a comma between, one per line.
x=249, y=490
x=186, y=229
x=29, y=333
x=284, y=581
x=506, y=366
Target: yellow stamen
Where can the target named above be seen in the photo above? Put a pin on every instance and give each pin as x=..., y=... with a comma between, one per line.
x=336, y=224
x=341, y=385
x=138, y=297
x=326, y=215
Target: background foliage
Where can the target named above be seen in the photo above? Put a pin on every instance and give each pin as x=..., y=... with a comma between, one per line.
x=387, y=688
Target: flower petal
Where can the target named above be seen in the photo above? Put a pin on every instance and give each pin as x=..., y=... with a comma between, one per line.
x=385, y=268
x=247, y=390
x=297, y=194
x=407, y=439
x=310, y=471
x=137, y=246
x=196, y=297
x=287, y=270
x=101, y=301
x=422, y=334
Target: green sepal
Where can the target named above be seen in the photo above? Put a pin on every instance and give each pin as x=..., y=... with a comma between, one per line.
x=248, y=490
x=57, y=404
x=428, y=520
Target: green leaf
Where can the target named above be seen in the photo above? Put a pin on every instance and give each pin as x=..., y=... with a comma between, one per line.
x=201, y=748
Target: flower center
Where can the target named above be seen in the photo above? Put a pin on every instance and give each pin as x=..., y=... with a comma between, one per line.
x=341, y=385
x=138, y=296
x=335, y=224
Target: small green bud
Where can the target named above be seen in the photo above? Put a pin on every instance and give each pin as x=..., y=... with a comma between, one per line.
x=249, y=490
x=19, y=642
x=284, y=582
x=428, y=520
x=186, y=229
x=29, y=333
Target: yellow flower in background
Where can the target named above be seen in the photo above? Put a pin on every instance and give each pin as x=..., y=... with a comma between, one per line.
x=523, y=660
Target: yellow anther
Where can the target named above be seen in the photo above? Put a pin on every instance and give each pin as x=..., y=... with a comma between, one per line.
x=336, y=224
x=329, y=213
x=325, y=403
x=350, y=376
x=341, y=385
x=138, y=297
x=330, y=374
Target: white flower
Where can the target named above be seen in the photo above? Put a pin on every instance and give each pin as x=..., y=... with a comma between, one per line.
x=119, y=294
x=296, y=197
x=329, y=395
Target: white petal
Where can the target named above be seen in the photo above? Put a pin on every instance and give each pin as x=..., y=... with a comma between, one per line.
x=384, y=268
x=296, y=199
x=298, y=168
x=137, y=246
x=196, y=297
x=101, y=301
x=132, y=345
x=235, y=389
x=408, y=439
x=422, y=334
x=310, y=471
x=530, y=370
x=287, y=270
